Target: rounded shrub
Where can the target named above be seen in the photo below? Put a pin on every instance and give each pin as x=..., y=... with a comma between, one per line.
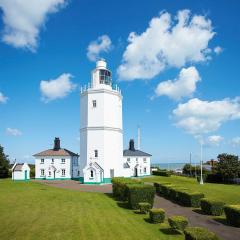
x=178, y=222
x=144, y=207
x=199, y=233
x=232, y=213
x=212, y=207
x=157, y=215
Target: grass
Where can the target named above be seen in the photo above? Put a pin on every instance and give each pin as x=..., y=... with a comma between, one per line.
x=30, y=210
x=230, y=194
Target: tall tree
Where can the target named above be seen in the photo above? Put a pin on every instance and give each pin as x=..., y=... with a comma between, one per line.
x=228, y=166
x=4, y=164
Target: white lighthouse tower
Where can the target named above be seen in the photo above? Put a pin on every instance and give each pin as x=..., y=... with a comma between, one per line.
x=101, y=138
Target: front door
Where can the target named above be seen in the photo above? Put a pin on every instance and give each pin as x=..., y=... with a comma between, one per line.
x=135, y=172
x=25, y=174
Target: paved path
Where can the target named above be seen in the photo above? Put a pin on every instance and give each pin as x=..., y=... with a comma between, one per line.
x=196, y=219
x=75, y=185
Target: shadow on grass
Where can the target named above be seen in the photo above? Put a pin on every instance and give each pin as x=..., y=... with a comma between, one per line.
x=170, y=231
x=148, y=220
x=123, y=205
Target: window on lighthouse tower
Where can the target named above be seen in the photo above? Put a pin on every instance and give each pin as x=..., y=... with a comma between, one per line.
x=105, y=77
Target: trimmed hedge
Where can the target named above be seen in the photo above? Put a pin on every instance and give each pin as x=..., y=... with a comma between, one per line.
x=198, y=233
x=174, y=192
x=212, y=207
x=178, y=222
x=163, y=173
x=140, y=193
x=157, y=215
x=158, y=187
x=119, y=186
x=232, y=213
x=190, y=199
x=144, y=207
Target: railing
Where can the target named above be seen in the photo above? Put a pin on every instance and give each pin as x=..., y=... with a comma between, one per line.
x=89, y=86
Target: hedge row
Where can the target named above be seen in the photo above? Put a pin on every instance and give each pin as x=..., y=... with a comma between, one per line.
x=132, y=190
x=140, y=193
x=179, y=194
x=119, y=187
x=232, y=213
x=199, y=233
x=212, y=207
x=163, y=173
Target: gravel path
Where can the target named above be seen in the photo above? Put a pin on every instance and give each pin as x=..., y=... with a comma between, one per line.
x=196, y=219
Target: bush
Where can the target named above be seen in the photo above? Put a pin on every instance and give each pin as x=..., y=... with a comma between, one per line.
x=233, y=214
x=190, y=199
x=163, y=173
x=214, y=178
x=158, y=187
x=165, y=189
x=119, y=186
x=204, y=177
x=157, y=215
x=140, y=193
x=212, y=207
x=178, y=222
x=198, y=233
x=173, y=192
x=144, y=207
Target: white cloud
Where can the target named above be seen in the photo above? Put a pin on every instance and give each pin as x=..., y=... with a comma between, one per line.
x=214, y=140
x=198, y=117
x=3, y=99
x=57, y=88
x=183, y=86
x=236, y=142
x=23, y=20
x=165, y=43
x=13, y=132
x=102, y=44
x=218, y=50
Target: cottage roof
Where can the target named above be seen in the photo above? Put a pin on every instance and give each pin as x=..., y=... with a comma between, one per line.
x=56, y=151
x=132, y=152
x=53, y=152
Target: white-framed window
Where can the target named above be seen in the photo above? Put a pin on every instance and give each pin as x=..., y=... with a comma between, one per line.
x=144, y=160
x=63, y=172
x=136, y=160
x=42, y=171
x=145, y=170
x=52, y=160
x=94, y=103
x=63, y=160
x=91, y=173
x=111, y=173
x=49, y=173
x=42, y=160
x=95, y=153
x=128, y=159
x=78, y=173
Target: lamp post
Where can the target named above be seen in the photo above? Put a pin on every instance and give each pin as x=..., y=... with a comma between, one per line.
x=201, y=177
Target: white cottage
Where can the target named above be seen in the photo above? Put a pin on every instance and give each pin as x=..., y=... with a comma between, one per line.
x=20, y=171
x=101, y=133
x=57, y=163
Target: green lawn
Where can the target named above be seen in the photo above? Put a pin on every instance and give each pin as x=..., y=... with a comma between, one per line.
x=30, y=210
x=230, y=194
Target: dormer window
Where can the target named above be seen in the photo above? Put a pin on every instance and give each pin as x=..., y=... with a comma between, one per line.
x=105, y=77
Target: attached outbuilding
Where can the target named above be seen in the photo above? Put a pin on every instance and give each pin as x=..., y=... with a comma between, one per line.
x=20, y=171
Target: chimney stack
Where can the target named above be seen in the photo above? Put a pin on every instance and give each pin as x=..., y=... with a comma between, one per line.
x=131, y=145
x=56, y=144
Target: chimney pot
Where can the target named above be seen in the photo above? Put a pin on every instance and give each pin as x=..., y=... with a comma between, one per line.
x=56, y=144
x=131, y=145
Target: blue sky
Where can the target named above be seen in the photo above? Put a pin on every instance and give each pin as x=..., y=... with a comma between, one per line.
x=181, y=84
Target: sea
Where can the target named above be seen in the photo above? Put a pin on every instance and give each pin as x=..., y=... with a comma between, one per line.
x=168, y=166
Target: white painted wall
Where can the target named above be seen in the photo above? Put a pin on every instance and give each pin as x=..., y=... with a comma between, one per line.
x=71, y=169
x=142, y=164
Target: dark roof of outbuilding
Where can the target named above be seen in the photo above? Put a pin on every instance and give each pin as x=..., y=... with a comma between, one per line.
x=18, y=167
x=58, y=152
x=135, y=153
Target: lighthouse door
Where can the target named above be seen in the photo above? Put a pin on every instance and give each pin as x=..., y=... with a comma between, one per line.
x=135, y=172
